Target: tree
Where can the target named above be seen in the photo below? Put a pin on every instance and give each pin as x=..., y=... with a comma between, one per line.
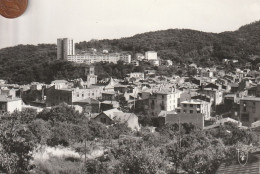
x=204, y=160
x=175, y=154
x=17, y=143
x=41, y=130
x=122, y=103
x=27, y=116
x=231, y=134
x=61, y=113
x=118, y=129
x=61, y=134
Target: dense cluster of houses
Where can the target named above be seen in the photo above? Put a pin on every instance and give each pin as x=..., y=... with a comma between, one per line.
x=206, y=99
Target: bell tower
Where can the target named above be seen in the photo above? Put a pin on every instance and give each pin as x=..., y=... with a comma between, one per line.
x=91, y=77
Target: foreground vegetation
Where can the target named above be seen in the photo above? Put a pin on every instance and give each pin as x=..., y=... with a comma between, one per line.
x=167, y=150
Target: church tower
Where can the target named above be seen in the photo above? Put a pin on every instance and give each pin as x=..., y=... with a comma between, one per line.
x=91, y=77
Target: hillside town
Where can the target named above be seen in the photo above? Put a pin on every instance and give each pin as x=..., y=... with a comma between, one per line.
x=129, y=87
x=121, y=107
x=208, y=99
x=96, y=116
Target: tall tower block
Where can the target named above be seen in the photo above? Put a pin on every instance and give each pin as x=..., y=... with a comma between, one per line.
x=65, y=47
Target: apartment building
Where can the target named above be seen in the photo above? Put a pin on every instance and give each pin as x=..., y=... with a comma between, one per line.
x=163, y=99
x=66, y=51
x=195, y=107
x=61, y=92
x=65, y=47
x=71, y=95
x=249, y=110
x=93, y=58
x=216, y=95
x=151, y=55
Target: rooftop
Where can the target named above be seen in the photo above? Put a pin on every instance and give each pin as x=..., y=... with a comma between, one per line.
x=251, y=167
x=193, y=102
x=251, y=98
x=4, y=98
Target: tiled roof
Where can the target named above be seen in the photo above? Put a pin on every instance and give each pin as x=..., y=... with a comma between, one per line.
x=88, y=100
x=59, y=81
x=252, y=167
x=194, y=101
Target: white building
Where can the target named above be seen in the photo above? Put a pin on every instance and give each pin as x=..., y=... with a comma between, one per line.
x=125, y=58
x=151, y=55
x=93, y=58
x=137, y=75
x=36, y=86
x=59, y=84
x=195, y=107
x=66, y=51
x=163, y=99
x=9, y=104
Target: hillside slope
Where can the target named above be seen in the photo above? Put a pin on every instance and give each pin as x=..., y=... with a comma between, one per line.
x=188, y=45
x=26, y=63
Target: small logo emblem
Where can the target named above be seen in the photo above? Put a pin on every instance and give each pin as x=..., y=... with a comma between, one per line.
x=242, y=157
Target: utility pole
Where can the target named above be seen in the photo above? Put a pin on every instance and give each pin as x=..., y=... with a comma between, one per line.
x=85, y=151
x=179, y=130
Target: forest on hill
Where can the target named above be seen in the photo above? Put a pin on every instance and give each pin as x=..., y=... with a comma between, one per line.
x=182, y=45
x=27, y=63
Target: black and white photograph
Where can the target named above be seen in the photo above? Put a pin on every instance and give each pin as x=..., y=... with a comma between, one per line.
x=130, y=86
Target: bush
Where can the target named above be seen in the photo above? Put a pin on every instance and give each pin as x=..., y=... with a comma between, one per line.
x=58, y=165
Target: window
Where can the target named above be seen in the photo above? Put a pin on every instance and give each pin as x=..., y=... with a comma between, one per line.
x=198, y=112
x=184, y=105
x=162, y=106
x=82, y=95
x=162, y=96
x=184, y=111
x=191, y=111
x=244, y=106
x=191, y=105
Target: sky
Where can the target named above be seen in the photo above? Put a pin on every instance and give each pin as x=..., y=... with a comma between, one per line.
x=46, y=20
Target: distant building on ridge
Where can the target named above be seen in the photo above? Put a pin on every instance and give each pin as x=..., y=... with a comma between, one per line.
x=151, y=55
x=65, y=47
x=66, y=51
